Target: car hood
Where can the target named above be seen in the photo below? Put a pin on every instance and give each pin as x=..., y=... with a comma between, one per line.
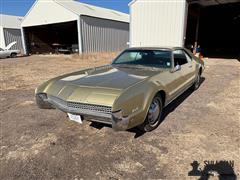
x=100, y=85
x=108, y=77
x=10, y=45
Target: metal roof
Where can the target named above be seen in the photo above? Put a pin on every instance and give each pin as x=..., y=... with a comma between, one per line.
x=133, y=1
x=201, y=2
x=212, y=2
x=90, y=10
x=8, y=21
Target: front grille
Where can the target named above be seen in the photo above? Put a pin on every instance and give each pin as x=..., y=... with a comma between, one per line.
x=81, y=107
x=97, y=108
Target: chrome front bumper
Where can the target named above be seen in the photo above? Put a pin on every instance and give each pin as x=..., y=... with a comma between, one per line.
x=118, y=122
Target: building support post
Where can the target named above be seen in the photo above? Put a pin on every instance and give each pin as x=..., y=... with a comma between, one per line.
x=80, y=51
x=2, y=42
x=197, y=32
x=23, y=41
x=185, y=24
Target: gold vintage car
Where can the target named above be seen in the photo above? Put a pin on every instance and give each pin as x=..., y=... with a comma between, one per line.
x=130, y=92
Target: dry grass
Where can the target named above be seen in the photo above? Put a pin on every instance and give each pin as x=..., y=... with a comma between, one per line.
x=29, y=72
x=105, y=56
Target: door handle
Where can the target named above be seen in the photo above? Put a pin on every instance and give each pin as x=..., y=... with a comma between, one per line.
x=190, y=66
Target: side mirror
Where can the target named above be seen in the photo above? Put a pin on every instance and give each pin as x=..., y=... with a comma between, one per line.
x=176, y=68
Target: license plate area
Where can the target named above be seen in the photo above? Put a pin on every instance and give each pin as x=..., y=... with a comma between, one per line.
x=75, y=118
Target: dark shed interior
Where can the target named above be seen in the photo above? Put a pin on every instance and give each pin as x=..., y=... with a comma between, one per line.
x=52, y=38
x=215, y=28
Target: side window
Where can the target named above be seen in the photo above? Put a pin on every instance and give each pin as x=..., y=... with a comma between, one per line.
x=179, y=57
x=138, y=57
x=189, y=58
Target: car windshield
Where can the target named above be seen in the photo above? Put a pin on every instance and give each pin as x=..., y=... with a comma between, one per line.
x=156, y=58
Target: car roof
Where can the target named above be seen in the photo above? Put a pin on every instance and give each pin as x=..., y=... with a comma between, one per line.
x=154, y=48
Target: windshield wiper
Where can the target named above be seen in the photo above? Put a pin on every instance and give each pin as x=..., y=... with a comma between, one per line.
x=137, y=66
x=127, y=65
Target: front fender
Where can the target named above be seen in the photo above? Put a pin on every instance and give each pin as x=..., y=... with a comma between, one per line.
x=135, y=101
x=43, y=87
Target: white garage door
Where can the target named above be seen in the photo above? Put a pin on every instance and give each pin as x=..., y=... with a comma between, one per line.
x=11, y=35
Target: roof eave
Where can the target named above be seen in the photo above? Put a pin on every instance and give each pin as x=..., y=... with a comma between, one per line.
x=132, y=2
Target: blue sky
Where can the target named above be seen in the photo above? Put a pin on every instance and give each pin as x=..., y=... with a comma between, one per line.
x=20, y=7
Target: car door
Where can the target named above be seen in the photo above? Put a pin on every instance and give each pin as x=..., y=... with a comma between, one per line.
x=190, y=70
x=174, y=77
x=187, y=70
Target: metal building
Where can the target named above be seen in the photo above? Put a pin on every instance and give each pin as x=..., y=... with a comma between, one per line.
x=213, y=24
x=157, y=23
x=54, y=24
x=10, y=30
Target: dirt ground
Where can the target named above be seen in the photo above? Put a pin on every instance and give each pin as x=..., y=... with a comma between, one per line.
x=43, y=144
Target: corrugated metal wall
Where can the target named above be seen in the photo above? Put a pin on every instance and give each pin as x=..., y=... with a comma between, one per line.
x=158, y=23
x=11, y=35
x=100, y=35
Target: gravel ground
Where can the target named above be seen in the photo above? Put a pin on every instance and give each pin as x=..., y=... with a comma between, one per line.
x=43, y=144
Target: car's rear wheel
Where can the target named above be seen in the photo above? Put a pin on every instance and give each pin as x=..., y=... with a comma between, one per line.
x=13, y=55
x=154, y=115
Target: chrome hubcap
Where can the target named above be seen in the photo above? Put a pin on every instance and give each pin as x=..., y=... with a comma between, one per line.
x=154, y=112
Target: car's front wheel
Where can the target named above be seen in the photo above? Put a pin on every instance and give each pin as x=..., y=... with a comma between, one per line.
x=13, y=55
x=153, y=118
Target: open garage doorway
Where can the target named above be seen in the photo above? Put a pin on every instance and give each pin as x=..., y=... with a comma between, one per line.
x=215, y=28
x=52, y=38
